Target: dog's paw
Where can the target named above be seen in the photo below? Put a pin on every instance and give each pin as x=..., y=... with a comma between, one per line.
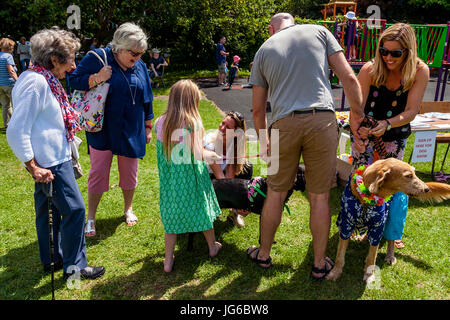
x=334, y=274
x=369, y=278
x=391, y=260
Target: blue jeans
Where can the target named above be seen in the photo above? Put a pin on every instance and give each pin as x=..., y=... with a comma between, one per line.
x=68, y=219
x=25, y=63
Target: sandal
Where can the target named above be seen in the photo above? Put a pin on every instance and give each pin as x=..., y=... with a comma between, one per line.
x=399, y=243
x=325, y=270
x=89, y=228
x=130, y=217
x=255, y=259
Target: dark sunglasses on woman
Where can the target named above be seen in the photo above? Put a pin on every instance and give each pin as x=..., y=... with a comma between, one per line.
x=394, y=53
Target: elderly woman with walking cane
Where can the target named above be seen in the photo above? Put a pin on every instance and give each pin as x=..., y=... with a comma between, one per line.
x=40, y=133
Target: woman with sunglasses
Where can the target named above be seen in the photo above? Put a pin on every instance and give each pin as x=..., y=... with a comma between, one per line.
x=233, y=148
x=393, y=85
x=128, y=113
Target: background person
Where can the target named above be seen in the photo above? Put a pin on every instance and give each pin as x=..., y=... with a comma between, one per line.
x=127, y=116
x=230, y=168
x=41, y=130
x=8, y=77
x=291, y=69
x=157, y=63
x=393, y=85
x=221, y=59
x=24, y=51
x=188, y=202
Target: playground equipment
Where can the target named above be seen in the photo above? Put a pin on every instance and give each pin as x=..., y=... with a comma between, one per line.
x=445, y=66
x=430, y=42
x=338, y=4
x=363, y=35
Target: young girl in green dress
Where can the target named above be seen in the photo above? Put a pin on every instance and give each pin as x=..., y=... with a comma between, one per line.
x=188, y=202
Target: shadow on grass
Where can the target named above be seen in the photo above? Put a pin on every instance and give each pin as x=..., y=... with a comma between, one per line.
x=22, y=273
x=104, y=228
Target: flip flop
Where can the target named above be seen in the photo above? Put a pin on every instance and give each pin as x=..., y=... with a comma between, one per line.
x=325, y=270
x=255, y=259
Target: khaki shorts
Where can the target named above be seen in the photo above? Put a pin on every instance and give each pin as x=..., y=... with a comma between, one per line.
x=313, y=136
x=222, y=67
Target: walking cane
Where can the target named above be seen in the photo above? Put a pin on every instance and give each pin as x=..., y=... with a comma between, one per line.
x=48, y=190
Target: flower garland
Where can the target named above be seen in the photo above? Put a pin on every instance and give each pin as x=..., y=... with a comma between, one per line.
x=364, y=192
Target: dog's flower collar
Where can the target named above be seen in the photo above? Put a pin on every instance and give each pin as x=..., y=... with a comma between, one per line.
x=367, y=196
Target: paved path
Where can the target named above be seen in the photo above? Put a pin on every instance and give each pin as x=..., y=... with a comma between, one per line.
x=240, y=99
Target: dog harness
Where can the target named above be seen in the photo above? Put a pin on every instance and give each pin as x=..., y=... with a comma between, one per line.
x=362, y=218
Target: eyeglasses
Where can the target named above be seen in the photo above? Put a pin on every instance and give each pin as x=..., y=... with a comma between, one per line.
x=135, y=54
x=394, y=53
x=238, y=117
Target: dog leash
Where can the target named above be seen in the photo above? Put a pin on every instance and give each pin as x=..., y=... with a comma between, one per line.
x=265, y=196
x=243, y=157
x=370, y=122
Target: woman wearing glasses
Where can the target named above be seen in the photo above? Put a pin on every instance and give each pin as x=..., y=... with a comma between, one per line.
x=393, y=85
x=229, y=141
x=128, y=112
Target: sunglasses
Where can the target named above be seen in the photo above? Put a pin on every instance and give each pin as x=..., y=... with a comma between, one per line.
x=135, y=54
x=394, y=53
x=237, y=117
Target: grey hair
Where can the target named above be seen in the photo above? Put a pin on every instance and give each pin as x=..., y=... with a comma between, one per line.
x=53, y=42
x=129, y=36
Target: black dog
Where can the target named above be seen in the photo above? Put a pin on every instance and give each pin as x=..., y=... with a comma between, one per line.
x=241, y=194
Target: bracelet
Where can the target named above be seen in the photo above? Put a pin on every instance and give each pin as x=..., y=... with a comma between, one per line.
x=149, y=126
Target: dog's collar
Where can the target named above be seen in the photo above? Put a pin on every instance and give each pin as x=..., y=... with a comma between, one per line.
x=367, y=196
x=253, y=185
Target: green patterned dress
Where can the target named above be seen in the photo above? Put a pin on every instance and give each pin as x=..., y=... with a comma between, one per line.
x=187, y=199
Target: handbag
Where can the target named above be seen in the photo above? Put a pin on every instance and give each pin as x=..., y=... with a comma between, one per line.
x=90, y=104
x=74, y=147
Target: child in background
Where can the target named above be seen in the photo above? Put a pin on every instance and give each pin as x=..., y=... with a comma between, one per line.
x=233, y=72
x=188, y=202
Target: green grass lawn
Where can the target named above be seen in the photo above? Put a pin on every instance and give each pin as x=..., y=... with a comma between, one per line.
x=133, y=255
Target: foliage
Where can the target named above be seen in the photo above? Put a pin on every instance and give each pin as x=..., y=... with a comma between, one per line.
x=190, y=30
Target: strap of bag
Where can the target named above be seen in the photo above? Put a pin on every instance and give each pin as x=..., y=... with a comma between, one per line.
x=105, y=63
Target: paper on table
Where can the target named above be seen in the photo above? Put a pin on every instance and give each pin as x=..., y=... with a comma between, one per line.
x=419, y=118
x=419, y=125
x=438, y=115
x=443, y=125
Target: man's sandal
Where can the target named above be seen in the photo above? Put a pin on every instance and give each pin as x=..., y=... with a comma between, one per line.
x=255, y=259
x=89, y=229
x=326, y=270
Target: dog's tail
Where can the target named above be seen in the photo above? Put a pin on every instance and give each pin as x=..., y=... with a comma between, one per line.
x=438, y=192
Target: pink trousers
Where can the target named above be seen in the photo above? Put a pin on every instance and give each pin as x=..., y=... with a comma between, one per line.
x=98, y=181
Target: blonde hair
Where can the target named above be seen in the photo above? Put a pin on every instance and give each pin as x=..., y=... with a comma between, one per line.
x=405, y=35
x=7, y=45
x=182, y=112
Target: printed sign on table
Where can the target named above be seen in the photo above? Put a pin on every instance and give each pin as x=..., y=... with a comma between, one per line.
x=424, y=146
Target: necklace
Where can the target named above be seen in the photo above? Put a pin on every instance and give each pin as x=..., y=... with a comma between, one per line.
x=367, y=196
x=133, y=97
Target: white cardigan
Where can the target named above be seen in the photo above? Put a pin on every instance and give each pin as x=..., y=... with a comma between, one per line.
x=36, y=129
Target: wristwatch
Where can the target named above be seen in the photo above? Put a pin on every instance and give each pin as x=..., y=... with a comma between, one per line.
x=388, y=125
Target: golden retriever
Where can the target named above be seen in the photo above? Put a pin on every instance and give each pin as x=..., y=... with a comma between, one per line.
x=384, y=178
